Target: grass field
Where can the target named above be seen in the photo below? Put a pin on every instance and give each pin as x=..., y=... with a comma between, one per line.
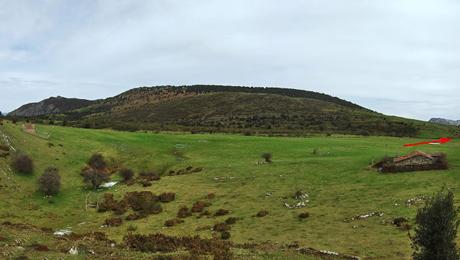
x=336, y=178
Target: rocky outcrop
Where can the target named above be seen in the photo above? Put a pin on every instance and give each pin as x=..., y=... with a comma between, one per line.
x=53, y=105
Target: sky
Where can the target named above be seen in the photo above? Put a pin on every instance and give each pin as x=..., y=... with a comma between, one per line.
x=397, y=57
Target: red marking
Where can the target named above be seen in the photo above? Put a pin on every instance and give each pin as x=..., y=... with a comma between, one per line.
x=443, y=140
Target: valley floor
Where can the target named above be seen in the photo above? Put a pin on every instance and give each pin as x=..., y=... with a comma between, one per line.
x=331, y=174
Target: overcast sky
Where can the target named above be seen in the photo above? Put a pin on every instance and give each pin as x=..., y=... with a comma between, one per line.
x=397, y=57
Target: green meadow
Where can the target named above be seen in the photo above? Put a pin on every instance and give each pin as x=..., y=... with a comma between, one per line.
x=332, y=170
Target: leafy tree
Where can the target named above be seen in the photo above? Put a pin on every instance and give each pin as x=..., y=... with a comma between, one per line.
x=94, y=177
x=436, y=230
x=23, y=163
x=50, y=181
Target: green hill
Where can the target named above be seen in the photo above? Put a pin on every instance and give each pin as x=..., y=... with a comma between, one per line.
x=331, y=170
x=229, y=109
x=273, y=111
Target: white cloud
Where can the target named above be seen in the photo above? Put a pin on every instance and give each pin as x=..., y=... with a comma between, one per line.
x=396, y=57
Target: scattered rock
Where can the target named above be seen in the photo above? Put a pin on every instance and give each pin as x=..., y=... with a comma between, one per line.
x=298, y=200
x=109, y=184
x=73, y=251
x=63, y=232
x=365, y=216
x=416, y=200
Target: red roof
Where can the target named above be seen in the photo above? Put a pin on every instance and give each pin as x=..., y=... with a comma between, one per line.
x=412, y=155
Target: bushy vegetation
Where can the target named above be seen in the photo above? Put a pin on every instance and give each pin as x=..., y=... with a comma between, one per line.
x=267, y=157
x=194, y=245
x=97, y=162
x=49, y=182
x=126, y=174
x=265, y=111
x=94, y=178
x=22, y=163
x=436, y=231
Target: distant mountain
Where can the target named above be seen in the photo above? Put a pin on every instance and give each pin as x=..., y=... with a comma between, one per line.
x=234, y=109
x=443, y=121
x=52, y=105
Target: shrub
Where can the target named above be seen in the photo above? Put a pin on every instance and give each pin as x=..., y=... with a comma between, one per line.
x=221, y=212
x=149, y=175
x=143, y=201
x=221, y=227
x=196, y=246
x=126, y=174
x=108, y=203
x=167, y=196
x=436, y=230
x=97, y=161
x=135, y=216
x=231, y=221
x=262, y=213
x=304, y=215
x=199, y=206
x=267, y=157
x=23, y=163
x=225, y=235
x=94, y=178
x=113, y=222
x=184, y=212
x=145, y=183
x=131, y=228
x=173, y=222
x=50, y=181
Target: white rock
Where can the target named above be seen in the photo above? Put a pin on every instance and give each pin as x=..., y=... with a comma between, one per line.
x=63, y=232
x=73, y=251
x=109, y=184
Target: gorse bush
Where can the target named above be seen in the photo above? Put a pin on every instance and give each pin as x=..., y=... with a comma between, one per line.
x=267, y=157
x=23, y=163
x=436, y=230
x=126, y=174
x=50, y=181
x=94, y=178
x=97, y=161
